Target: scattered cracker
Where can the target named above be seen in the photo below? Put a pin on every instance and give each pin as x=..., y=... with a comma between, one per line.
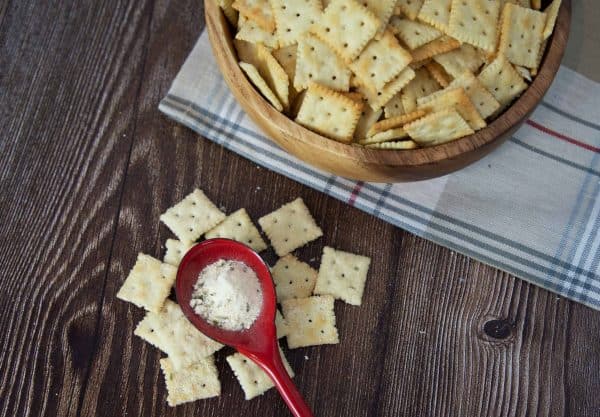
x=383, y=10
x=176, y=250
x=192, y=217
x=238, y=226
x=286, y=57
x=436, y=13
x=457, y=61
x=410, y=8
x=258, y=11
x=230, y=13
x=316, y=62
x=294, y=18
x=395, y=122
x=342, y=275
x=329, y=113
x=394, y=107
x=521, y=34
x=385, y=136
x=280, y=325
x=437, y=128
x=194, y=382
x=457, y=99
x=401, y=145
x=414, y=34
x=148, y=284
x=422, y=85
x=254, y=76
x=475, y=22
x=438, y=46
x=253, y=380
x=380, y=62
x=551, y=13
x=170, y=331
x=347, y=27
x=293, y=278
x=367, y=119
x=290, y=227
x=381, y=98
x=311, y=321
x=249, y=31
x=438, y=73
x=482, y=99
x=502, y=80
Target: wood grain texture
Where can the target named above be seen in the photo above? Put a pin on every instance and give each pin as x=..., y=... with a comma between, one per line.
x=365, y=164
x=87, y=164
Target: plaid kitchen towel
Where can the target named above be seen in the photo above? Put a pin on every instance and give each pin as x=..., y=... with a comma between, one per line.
x=530, y=208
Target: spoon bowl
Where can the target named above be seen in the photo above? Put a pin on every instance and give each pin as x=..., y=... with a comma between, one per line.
x=259, y=342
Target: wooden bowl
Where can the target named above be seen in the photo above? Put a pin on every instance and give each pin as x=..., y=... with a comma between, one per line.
x=373, y=164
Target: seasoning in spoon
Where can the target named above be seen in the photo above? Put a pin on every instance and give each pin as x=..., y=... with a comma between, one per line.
x=228, y=295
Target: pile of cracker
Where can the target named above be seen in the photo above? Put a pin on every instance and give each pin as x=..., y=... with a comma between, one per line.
x=306, y=296
x=391, y=74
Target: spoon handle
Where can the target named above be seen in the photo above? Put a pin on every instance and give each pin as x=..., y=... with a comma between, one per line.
x=286, y=387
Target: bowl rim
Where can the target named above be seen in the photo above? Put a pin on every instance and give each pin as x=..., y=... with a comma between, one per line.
x=510, y=118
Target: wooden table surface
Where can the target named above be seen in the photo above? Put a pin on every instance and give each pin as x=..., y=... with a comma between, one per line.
x=87, y=165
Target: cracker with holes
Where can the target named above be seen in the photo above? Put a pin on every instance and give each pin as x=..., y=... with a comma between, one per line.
x=280, y=325
x=258, y=11
x=482, y=99
x=192, y=217
x=502, y=80
x=422, y=85
x=148, y=284
x=294, y=18
x=414, y=34
x=457, y=99
x=250, y=31
x=316, y=62
x=390, y=135
x=380, y=62
x=475, y=22
x=394, y=107
x=262, y=86
x=293, y=278
x=521, y=34
x=346, y=26
x=395, y=122
x=197, y=381
x=383, y=10
x=398, y=146
x=239, y=227
x=311, y=321
x=176, y=250
x=253, y=380
x=329, y=113
x=410, y=8
x=342, y=275
x=290, y=227
x=380, y=98
x=438, y=128
x=170, y=331
x=436, y=13
x=286, y=57
x=367, y=119
x=464, y=58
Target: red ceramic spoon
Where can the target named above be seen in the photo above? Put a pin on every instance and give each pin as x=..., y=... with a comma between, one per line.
x=259, y=342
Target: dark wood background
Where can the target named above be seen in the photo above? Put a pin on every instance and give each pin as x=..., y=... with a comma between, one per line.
x=87, y=165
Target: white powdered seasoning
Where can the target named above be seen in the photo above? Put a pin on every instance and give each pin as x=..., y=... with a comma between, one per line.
x=227, y=295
